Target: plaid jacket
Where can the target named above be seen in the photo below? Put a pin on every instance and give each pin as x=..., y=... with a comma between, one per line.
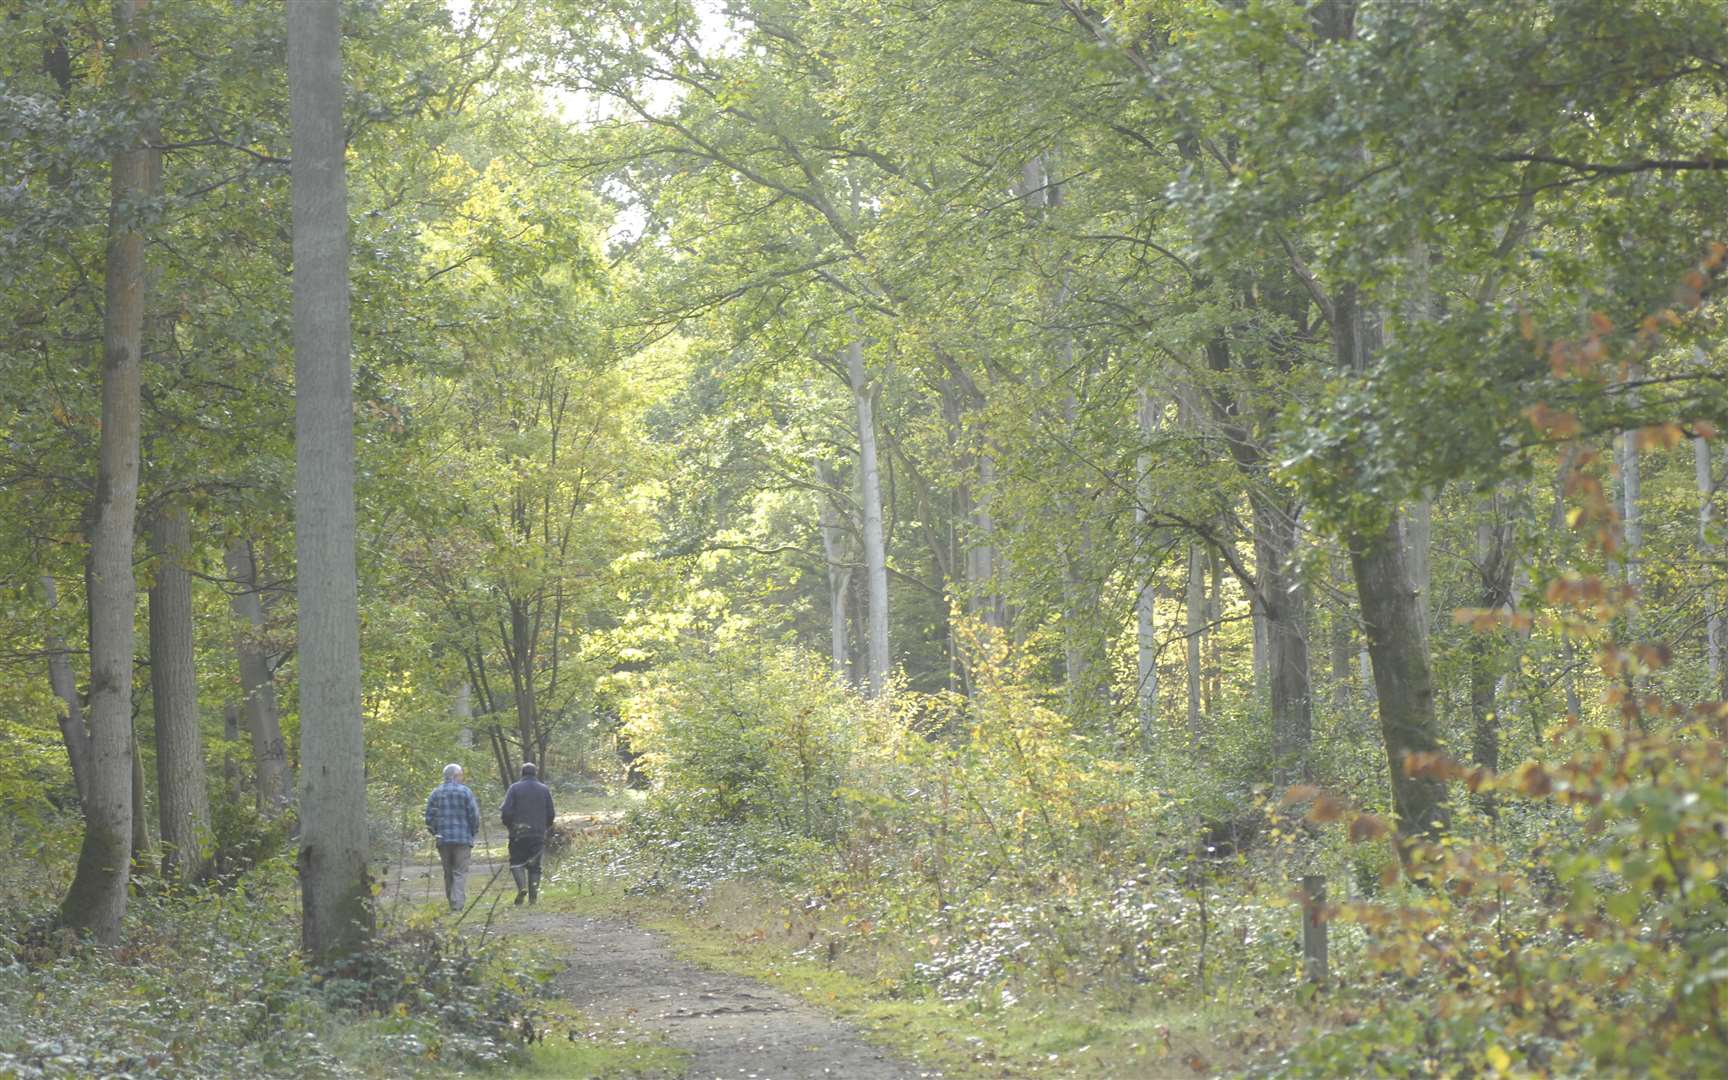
x=453, y=814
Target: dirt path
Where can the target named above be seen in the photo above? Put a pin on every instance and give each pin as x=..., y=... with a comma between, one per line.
x=734, y=1028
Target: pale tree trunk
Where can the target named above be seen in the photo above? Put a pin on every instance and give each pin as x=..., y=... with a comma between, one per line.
x=1715, y=633
x=334, y=890
x=1419, y=540
x=1557, y=526
x=257, y=683
x=462, y=708
x=1146, y=601
x=182, y=791
x=875, y=550
x=73, y=733
x=1257, y=657
x=833, y=530
x=1214, y=667
x=96, y=901
x=1196, y=626
x=983, y=562
x=1283, y=597
x=143, y=844
x=1631, y=512
x=1494, y=565
x=1343, y=651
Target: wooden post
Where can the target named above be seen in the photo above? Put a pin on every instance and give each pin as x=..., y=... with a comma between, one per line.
x=1314, y=966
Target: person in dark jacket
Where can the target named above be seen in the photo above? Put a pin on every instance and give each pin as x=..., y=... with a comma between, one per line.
x=527, y=813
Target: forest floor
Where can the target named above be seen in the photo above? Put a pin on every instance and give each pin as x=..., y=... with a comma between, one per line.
x=627, y=979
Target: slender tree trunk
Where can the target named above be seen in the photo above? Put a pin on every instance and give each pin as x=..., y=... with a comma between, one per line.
x=257, y=684
x=1715, y=632
x=521, y=648
x=1196, y=627
x=230, y=736
x=462, y=709
x=1419, y=539
x=73, y=733
x=984, y=564
x=875, y=550
x=832, y=528
x=182, y=790
x=1283, y=599
x=1343, y=649
x=1494, y=568
x=335, y=892
x=96, y=900
x=1631, y=512
x=1146, y=601
x=143, y=844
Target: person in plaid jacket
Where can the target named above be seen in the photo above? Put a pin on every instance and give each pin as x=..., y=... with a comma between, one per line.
x=453, y=816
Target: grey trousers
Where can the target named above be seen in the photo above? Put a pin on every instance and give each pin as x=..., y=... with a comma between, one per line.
x=455, y=860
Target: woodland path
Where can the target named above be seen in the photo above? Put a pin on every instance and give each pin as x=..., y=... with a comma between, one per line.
x=734, y=1028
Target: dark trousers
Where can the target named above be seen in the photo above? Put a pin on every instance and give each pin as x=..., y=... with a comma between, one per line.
x=525, y=853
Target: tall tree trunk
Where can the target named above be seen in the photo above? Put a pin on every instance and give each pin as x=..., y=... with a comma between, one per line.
x=230, y=736
x=983, y=559
x=1631, y=513
x=1283, y=598
x=1419, y=540
x=182, y=791
x=833, y=530
x=1195, y=629
x=96, y=900
x=1715, y=632
x=73, y=733
x=257, y=684
x=1343, y=650
x=875, y=549
x=521, y=648
x=335, y=893
x=1146, y=601
x=1494, y=564
x=143, y=844
x=1393, y=616
x=1398, y=650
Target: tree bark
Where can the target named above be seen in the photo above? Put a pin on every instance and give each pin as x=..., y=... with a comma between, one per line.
x=1195, y=628
x=833, y=530
x=1343, y=645
x=875, y=550
x=73, y=733
x=1715, y=632
x=1146, y=601
x=1494, y=566
x=257, y=683
x=1283, y=597
x=96, y=901
x=334, y=890
x=143, y=844
x=1393, y=616
x=182, y=791
x=1398, y=650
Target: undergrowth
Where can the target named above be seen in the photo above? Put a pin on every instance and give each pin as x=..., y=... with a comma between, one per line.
x=213, y=984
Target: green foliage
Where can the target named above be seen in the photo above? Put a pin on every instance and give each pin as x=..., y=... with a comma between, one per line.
x=212, y=984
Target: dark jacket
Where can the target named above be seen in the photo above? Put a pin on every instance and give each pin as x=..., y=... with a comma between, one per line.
x=527, y=809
